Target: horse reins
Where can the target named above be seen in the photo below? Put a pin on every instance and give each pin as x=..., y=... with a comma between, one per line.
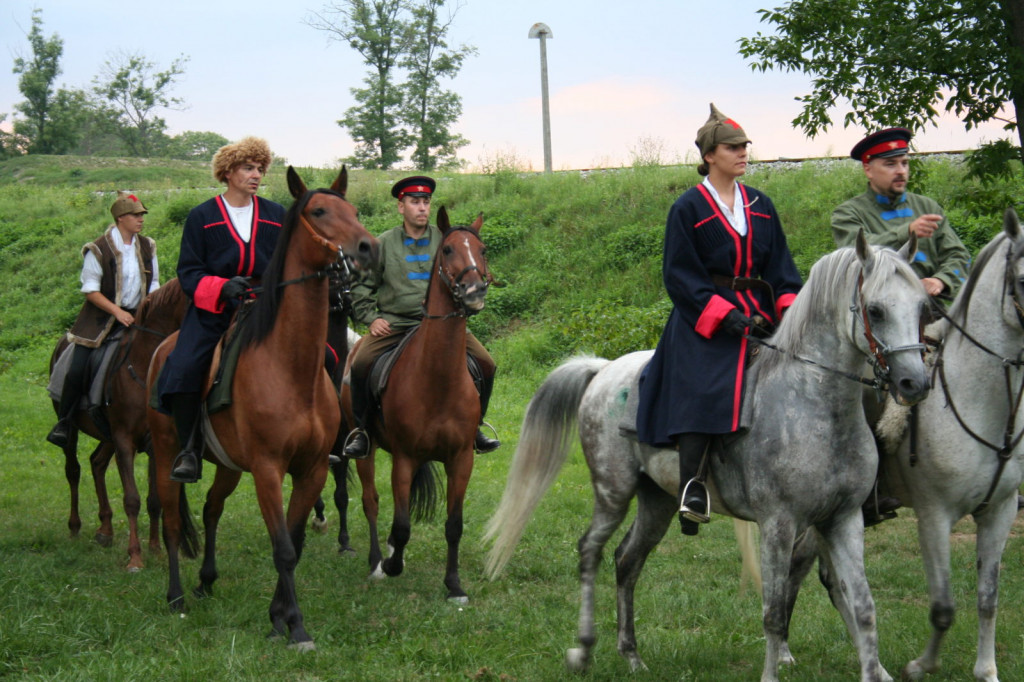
x=1010, y=441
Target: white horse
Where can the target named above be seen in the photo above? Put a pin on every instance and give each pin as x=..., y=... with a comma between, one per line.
x=808, y=459
x=967, y=457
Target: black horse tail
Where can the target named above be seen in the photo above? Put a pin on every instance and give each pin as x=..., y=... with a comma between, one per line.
x=424, y=493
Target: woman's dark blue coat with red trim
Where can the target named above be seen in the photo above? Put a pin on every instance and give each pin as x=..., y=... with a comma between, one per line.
x=695, y=381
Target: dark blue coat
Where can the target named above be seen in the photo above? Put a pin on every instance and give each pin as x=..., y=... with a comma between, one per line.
x=212, y=252
x=694, y=383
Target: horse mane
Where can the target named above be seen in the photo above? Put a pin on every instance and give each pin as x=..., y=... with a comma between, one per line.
x=167, y=297
x=264, y=311
x=958, y=311
x=829, y=285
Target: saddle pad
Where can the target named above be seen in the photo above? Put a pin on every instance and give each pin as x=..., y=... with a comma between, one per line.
x=627, y=427
x=99, y=365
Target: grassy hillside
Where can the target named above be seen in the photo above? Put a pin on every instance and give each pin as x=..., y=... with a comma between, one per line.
x=580, y=255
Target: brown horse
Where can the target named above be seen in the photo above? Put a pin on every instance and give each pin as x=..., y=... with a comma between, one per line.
x=159, y=315
x=284, y=413
x=430, y=408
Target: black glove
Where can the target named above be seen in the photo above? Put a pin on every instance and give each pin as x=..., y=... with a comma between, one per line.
x=234, y=289
x=735, y=323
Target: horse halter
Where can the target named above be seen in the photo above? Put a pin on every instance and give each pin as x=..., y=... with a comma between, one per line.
x=879, y=350
x=453, y=282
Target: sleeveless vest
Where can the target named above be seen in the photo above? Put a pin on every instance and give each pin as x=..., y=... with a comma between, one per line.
x=93, y=324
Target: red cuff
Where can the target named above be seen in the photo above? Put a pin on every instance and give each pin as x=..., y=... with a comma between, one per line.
x=714, y=312
x=782, y=303
x=207, y=295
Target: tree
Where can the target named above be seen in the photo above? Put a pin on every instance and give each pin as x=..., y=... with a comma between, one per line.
x=132, y=91
x=193, y=144
x=430, y=111
x=897, y=62
x=395, y=36
x=374, y=29
x=52, y=117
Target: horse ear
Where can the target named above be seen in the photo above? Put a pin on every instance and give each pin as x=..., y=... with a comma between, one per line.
x=864, y=251
x=478, y=223
x=295, y=184
x=341, y=182
x=442, y=220
x=1011, y=224
x=910, y=248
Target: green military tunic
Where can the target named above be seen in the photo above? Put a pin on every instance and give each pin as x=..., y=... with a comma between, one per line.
x=398, y=299
x=886, y=222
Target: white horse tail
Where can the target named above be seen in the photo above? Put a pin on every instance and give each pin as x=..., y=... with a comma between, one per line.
x=545, y=438
x=746, y=537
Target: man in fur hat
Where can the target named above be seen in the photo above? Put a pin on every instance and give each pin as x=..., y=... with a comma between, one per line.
x=227, y=241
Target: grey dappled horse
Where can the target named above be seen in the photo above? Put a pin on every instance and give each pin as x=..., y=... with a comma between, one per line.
x=968, y=457
x=808, y=459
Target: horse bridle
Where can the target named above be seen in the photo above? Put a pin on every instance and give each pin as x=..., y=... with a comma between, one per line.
x=453, y=282
x=879, y=350
x=1003, y=452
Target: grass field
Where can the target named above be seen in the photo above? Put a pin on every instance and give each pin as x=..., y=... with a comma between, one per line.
x=581, y=256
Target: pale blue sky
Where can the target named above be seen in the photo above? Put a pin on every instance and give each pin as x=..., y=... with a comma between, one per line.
x=622, y=76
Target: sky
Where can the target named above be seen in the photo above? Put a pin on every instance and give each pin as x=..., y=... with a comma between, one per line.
x=625, y=79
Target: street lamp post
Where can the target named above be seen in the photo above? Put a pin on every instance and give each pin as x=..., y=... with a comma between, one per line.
x=541, y=31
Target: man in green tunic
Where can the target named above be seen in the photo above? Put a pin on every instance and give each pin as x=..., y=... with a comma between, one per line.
x=889, y=214
x=389, y=301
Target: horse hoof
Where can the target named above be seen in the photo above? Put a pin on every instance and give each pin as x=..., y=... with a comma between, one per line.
x=459, y=599
x=319, y=525
x=104, y=540
x=912, y=671
x=346, y=551
x=576, y=660
x=302, y=646
x=134, y=568
x=785, y=655
x=378, y=573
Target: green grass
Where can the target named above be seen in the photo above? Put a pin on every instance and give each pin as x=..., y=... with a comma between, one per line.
x=69, y=611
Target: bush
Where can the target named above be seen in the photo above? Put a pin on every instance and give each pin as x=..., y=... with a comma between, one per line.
x=610, y=329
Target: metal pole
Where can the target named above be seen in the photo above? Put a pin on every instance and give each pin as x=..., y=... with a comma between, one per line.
x=542, y=32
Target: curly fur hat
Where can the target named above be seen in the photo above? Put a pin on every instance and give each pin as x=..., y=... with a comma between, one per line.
x=253, y=149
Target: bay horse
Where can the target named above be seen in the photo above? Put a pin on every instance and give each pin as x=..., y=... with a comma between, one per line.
x=430, y=407
x=966, y=455
x=284, y=413
x=159, y=315
x=807, y=460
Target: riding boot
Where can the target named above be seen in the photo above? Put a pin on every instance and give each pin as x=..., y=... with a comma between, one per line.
x=357, y=444
x=877, y=509
x=70, y=395
x=188, y=465
x=481, y=443
x=693, y=495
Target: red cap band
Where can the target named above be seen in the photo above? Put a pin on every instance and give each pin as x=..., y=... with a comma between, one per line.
x=422, y=189
x=884, y=147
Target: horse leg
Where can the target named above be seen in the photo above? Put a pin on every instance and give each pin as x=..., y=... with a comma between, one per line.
x=805, y=553
x=655, y=511
x=993, y=529
x=402, y=472
x=99, y=460
x=843, y=548
x=305, y=490
x=778, y=537
x=153, y=505
x=125, y=454
x=340, y=474
x=366, y=470
x=224, y=483
x=458, y=481
x=933, y=529
x=73, y=474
